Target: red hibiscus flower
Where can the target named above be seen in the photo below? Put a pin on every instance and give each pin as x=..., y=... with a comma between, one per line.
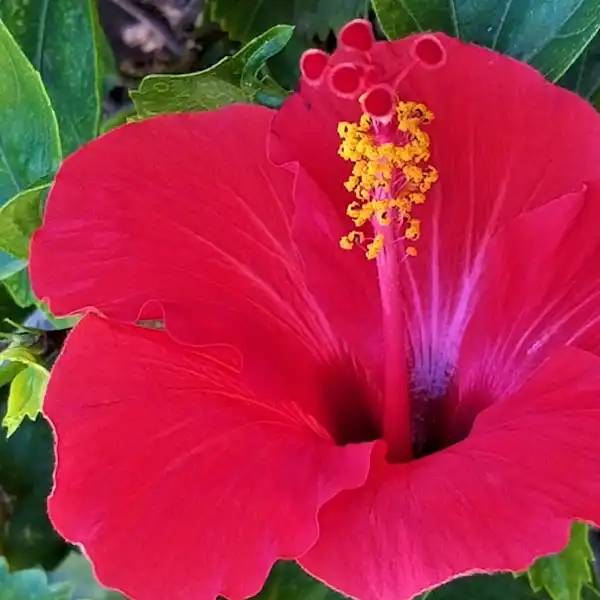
x=419, y=403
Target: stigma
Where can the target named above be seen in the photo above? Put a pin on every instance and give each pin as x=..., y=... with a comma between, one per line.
x=391, y=173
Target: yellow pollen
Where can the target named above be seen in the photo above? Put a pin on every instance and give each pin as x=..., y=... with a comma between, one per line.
x=375, y=246
x=388, y=177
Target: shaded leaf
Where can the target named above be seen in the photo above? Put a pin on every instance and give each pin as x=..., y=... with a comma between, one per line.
x=29, y=141
x=564, y=574
x=60, y=38
x=584, y=75
x=549, y=35
x=245, y=20
x=287, y=581
x=19, y=217
x=501, y=586
x=26, y=462
x=238, y=78
x=119, y=118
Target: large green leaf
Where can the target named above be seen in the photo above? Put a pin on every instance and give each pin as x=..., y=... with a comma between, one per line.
x=238, y=78
x=60, y=39
x=584, y=75
x=245, y=20
x=550, y=35
x=30, y=584
x=563, y=575
x=29, y=141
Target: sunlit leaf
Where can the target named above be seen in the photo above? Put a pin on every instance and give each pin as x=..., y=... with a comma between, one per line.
x=563, y=575
x=26, y=390
x=234, y=79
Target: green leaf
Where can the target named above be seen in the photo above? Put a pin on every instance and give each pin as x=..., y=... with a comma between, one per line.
x=398, y=19
x=25, y=397
x=9, y=310
x=77, y=570
x=29, y=141
x=584, y=76
x=19, y=217
x=30, y=584
x=19, y=288
x=9, y=265
x=60, y=39
x=549, y=35
x=501, y=586
x=57, y=322
x=287, y=581
x=26, y=390
x=245, y=20
x=119, y=118
x=9, y=370
x=564, y=574
x=238, y=78
x=26, y=537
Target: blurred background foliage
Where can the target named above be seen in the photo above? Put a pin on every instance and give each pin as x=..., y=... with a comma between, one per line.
x=73, y=69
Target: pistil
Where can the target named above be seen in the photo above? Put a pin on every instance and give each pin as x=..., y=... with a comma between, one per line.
x=396, y=401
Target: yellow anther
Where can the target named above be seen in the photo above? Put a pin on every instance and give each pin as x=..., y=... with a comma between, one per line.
x=374, y=248
x=390, y=173
x=354, y=237
x=413, y=230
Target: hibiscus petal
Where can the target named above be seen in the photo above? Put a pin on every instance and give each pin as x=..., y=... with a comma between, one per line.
x=539, y=290
x=344, y=284
x=500, y=150
x=496, y=141
x=495, y=501
x=180, y=482
x=155, y=211
x=185, y=214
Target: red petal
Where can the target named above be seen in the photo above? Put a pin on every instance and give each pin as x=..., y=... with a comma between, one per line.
x=500, y=150
x=495, y=501
x=186, y=210
x=177, y=479
x=540, y=290
x=343, y=283
x=157, y=210
x=496, y=140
